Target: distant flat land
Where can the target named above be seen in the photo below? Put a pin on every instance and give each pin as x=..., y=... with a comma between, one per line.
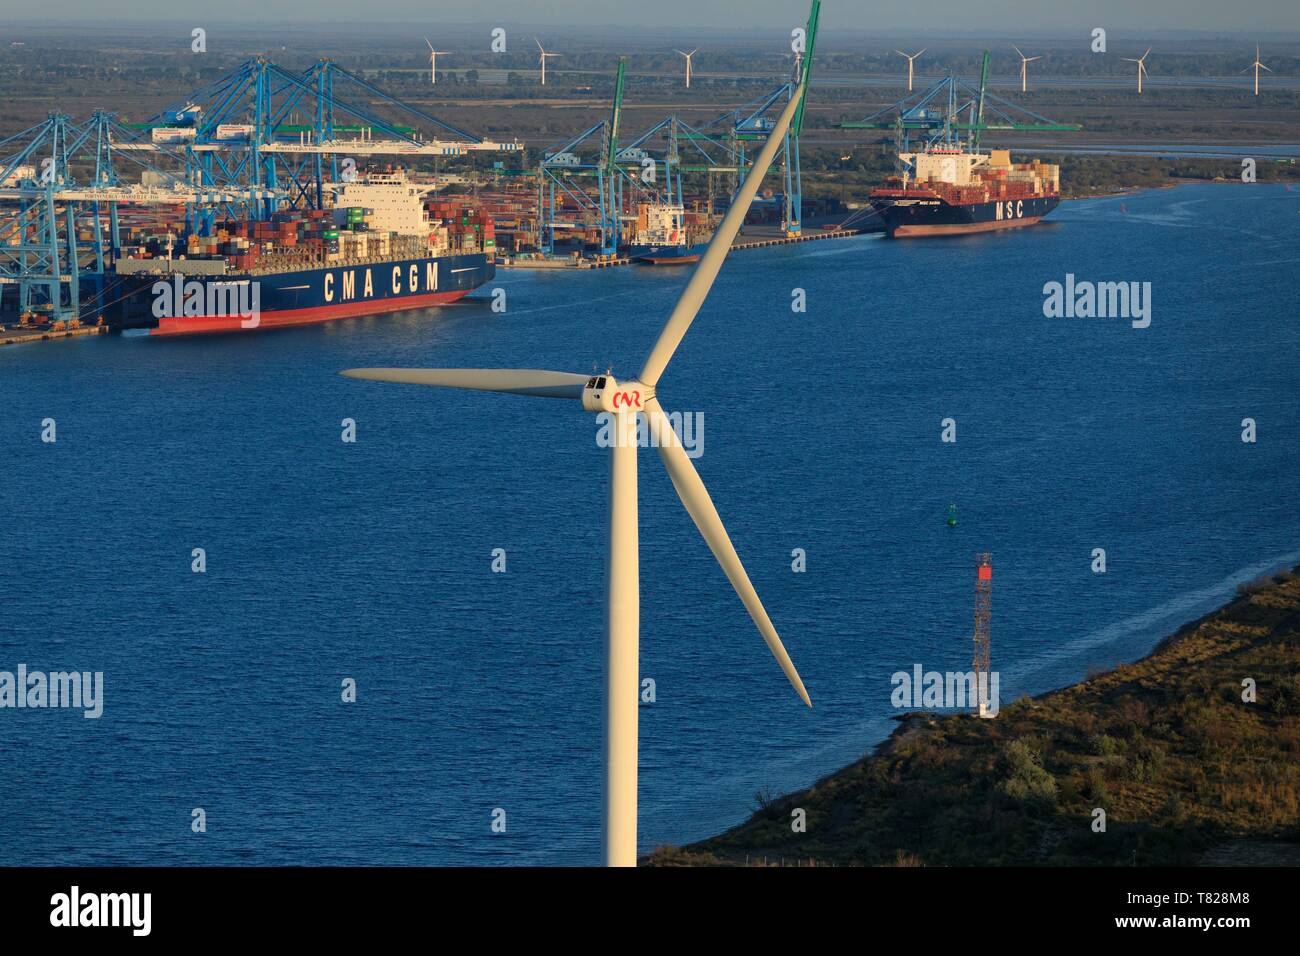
x=1195, y=97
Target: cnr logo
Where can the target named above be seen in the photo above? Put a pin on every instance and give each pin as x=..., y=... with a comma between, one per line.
x=627, y=399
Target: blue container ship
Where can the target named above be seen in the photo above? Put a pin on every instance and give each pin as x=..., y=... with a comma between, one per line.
x=381, y=249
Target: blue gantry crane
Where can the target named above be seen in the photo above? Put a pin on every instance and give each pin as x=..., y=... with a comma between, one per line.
x=60, y=180
x=563, y=169
x=272, y=128
x=754, y=120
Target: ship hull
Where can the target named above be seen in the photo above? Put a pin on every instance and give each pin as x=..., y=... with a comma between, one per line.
x=307, y=296
x=282, y=318
x=666, y=255
x=931, y=216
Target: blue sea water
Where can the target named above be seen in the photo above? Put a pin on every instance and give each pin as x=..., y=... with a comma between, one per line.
x=479, y=690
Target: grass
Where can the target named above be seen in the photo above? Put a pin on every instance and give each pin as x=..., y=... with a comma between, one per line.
x=1185, y=770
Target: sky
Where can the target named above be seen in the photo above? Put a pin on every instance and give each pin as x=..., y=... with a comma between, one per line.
x=913, y=16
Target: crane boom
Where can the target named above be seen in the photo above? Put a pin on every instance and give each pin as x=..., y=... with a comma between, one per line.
x=796, y=126
x=615, y=113
x=984, y=85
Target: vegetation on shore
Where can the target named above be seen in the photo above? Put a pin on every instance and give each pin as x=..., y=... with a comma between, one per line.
x=1185, y=767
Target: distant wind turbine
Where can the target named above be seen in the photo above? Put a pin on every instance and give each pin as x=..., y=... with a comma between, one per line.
x=621, y=403
x=688, y=64
x=1257, y=66
x=542, y=58
x=909, y=65
x=1142, y=67
x=1024, y=67
x=433, y=60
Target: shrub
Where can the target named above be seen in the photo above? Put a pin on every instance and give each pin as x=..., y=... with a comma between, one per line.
x=1025, y=779
x=1098, y=792
x=1103, y=745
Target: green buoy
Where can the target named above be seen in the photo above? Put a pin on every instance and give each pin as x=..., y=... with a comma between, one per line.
x=952, y=516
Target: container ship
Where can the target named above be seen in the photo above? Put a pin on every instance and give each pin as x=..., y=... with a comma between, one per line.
x=947, y=191
x=381, y=248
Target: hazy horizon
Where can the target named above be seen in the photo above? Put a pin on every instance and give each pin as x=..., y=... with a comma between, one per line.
x=740, y=17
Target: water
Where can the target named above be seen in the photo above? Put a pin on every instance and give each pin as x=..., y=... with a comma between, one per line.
x=480, y=690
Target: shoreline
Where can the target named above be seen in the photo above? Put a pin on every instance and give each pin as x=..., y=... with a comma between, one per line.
x=1046, y=758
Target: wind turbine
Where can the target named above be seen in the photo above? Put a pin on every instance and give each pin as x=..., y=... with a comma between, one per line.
x=688, y=64
x=909, y=65
x=1024, y=67
x=623, y=401
x=1257, y=67
x=433, y=60
x=542, y=58
x=1142, y=67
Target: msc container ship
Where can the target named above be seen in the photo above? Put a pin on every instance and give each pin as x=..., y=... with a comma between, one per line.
x=381, y=248
x=948, y=191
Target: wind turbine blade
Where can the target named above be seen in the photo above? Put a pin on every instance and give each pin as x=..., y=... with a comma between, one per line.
x=510, y=381
x=428, y=44
x=919, y=52
x=693, y=52
x=697, y=289
x=901, y=53
x=1033, y=58
x=1017, y=49
x=695, y=497
x=1264, y=68
x=539, y=44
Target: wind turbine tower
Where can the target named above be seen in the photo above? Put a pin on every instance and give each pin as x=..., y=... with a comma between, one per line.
x=433, y=60
x=688, y=64
x=909, y=59
x=1256, y=66
x=542, y=55
x=1142, y=67
x=1024, y=68
x=618, y=403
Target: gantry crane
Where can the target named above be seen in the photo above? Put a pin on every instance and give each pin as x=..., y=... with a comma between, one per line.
x=752, y=122
x=936, y=114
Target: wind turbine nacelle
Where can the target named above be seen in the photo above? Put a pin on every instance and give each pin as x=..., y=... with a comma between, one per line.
x=604, y=393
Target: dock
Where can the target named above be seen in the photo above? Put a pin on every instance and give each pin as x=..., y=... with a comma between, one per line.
x=740, y=244
x=17, y=335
